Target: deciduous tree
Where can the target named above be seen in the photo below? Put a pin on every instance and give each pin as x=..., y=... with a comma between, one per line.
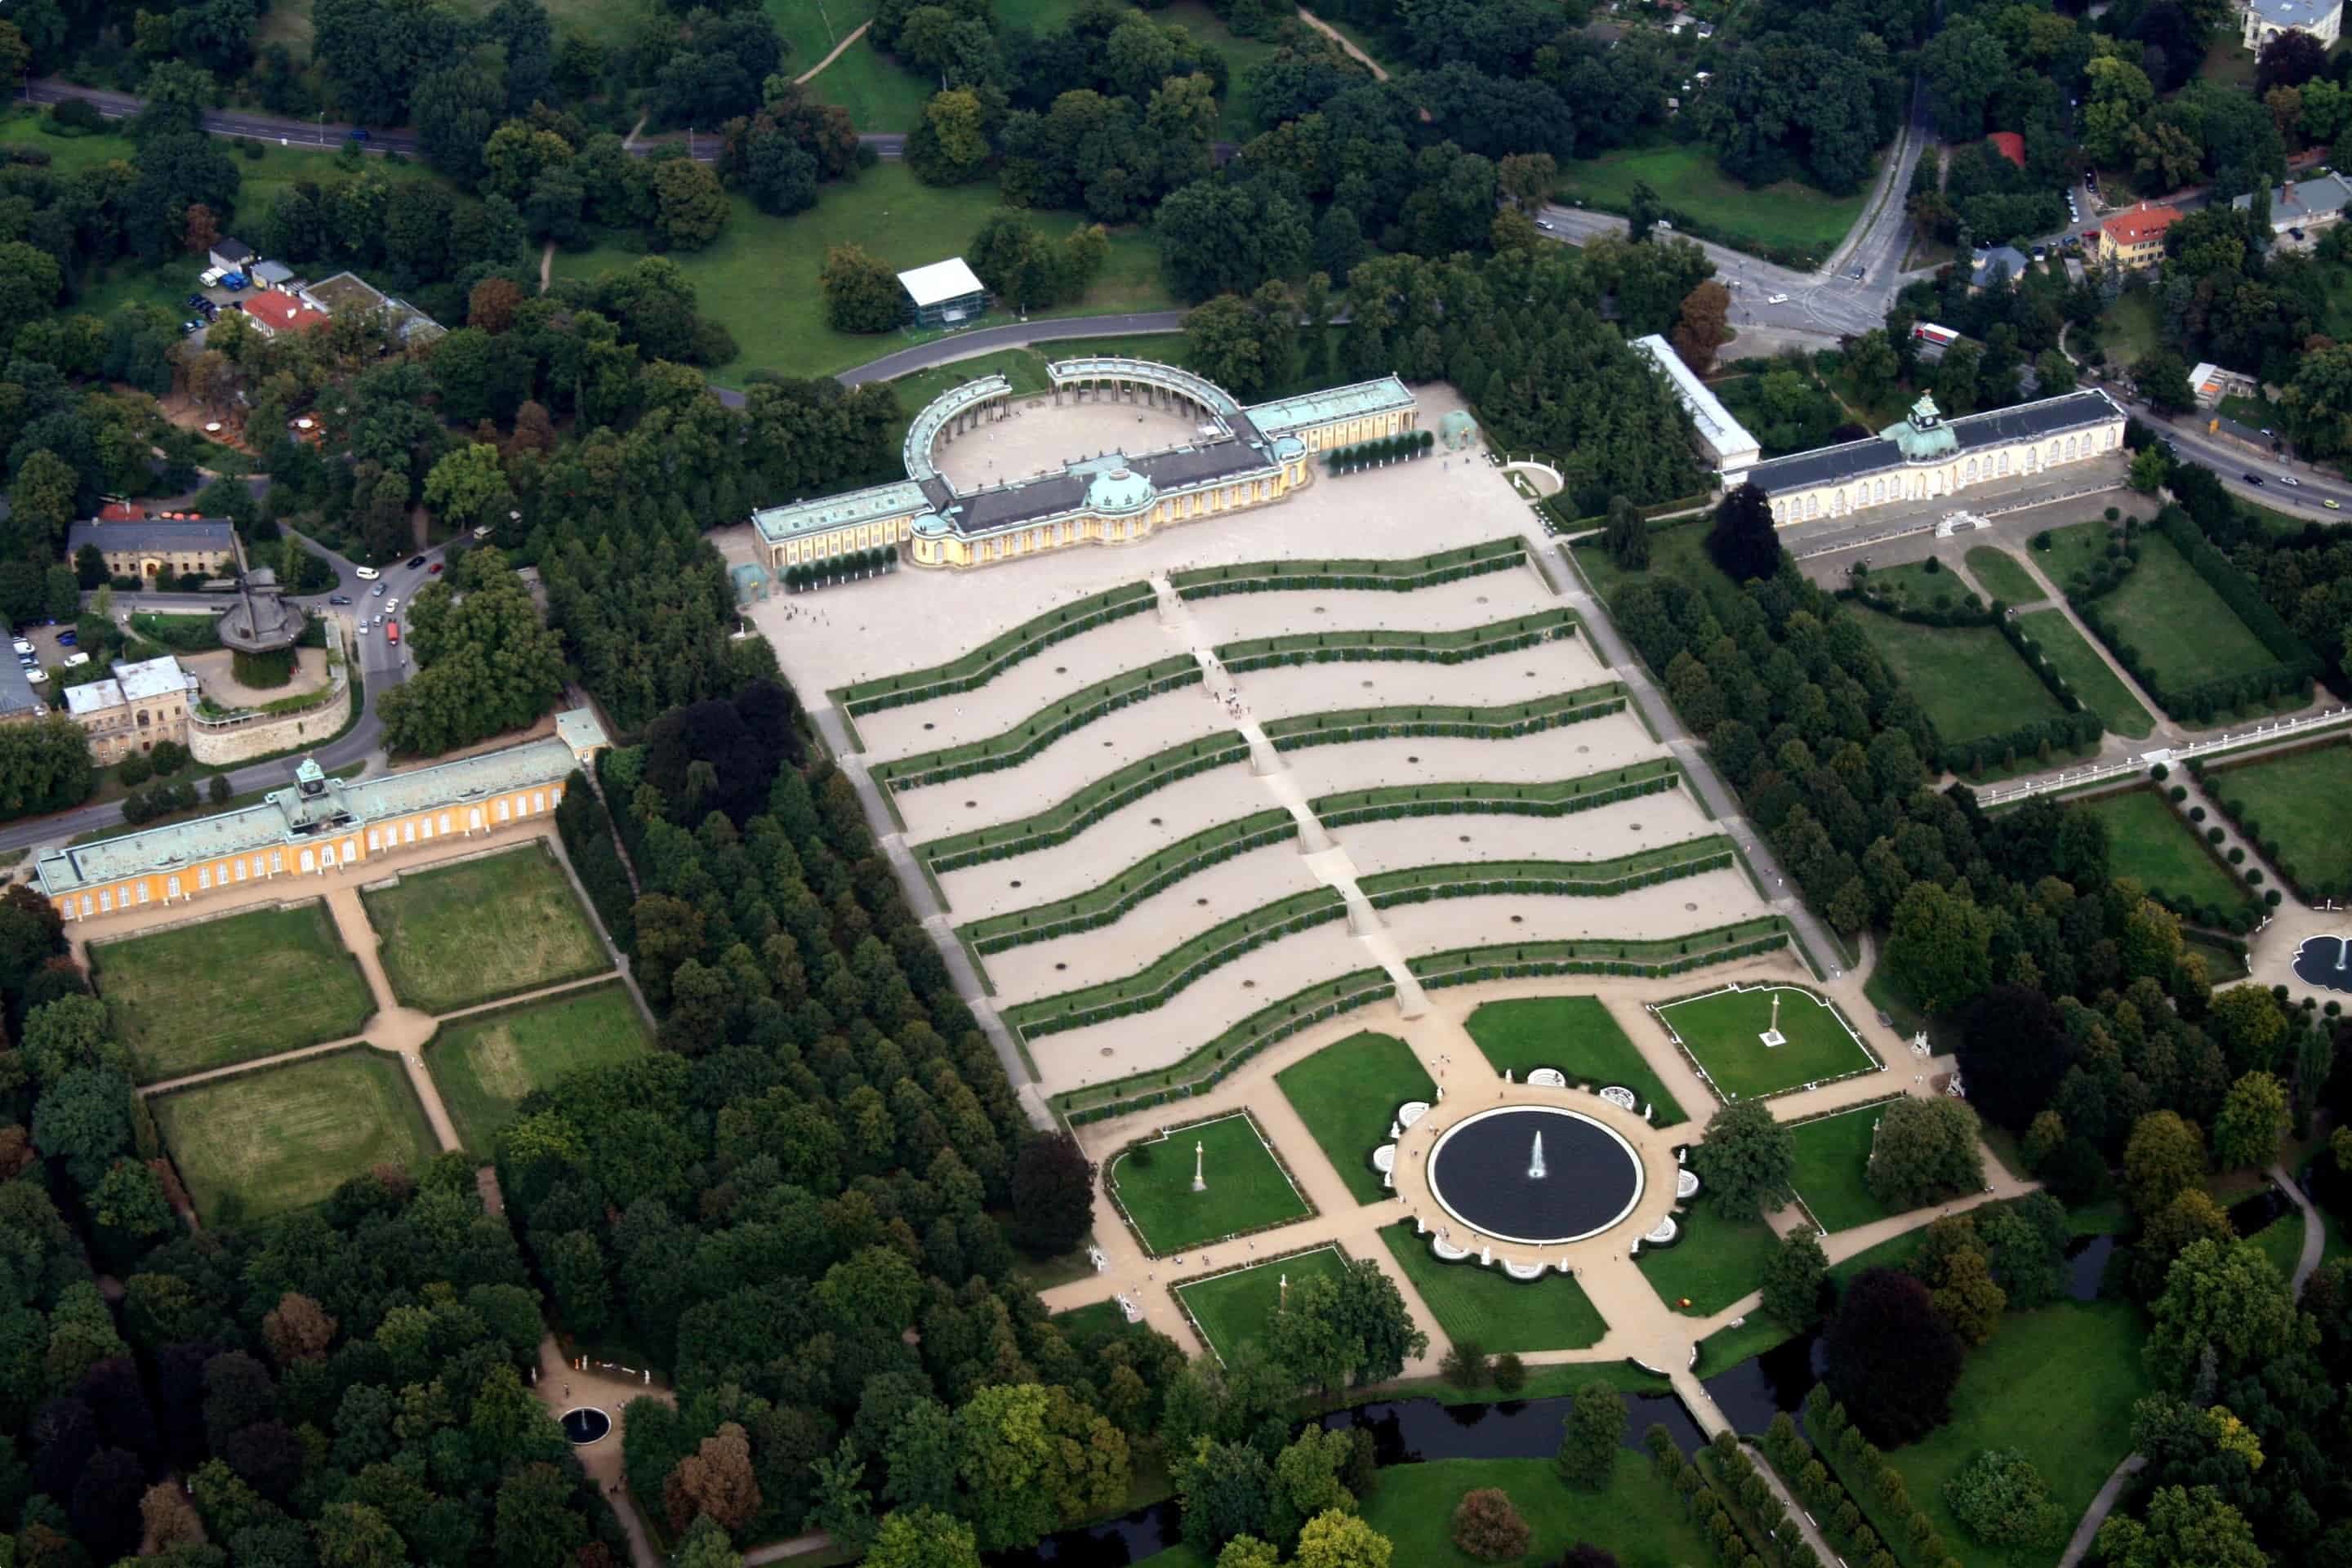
x=1745, y=1161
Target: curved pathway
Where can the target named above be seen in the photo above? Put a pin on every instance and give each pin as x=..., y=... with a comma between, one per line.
x=856, y=33
x=1345, y=43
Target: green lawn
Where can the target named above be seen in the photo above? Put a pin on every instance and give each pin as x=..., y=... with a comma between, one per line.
x=2057, y=1385
x=759, y=278
x=879, y=93
x=2148, y=839
x=2282, y=1242
x=1247, y=1189
x=1347, y=1094
x=1833, y=1155
x=2182, y=628
x=2001, y=575
x=1969, y=679
x=485, y=1064
x=2074, y=549
x=1575, y=1033
x=230, y=989
x=811, y=28
x=1677, y=552
x=1723, y=1031
x=1914, y=587
x=1232, y=1309
x=2300, y=799
x=1713, y=1264
x=1639, y=1519
x=1788, y=215
x=2094, y=683
x=1083, y=1325
x=1492, y=1309
x=457, y=935
x=2132, y=329
x=287, y=1137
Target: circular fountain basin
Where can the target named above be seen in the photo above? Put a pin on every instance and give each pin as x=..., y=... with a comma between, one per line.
x=587, y=1425
x=2321, y=961
x=1479, y=1173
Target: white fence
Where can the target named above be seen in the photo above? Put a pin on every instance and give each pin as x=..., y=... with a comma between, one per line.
x=2098, y=772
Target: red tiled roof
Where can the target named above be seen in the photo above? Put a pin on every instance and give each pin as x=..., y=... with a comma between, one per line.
x=282, y=312
x=2010, y=145
x=2142, y=224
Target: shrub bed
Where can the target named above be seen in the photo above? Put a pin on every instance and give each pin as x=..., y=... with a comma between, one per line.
x=1563, y=878
x=1557, y=799
x=1066, y=819
x=992, y=658
x=1400, y=575
x=1670, y=955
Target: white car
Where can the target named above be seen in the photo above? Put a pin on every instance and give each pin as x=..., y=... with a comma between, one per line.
x=391, y=607
x=1776, y=299
x=23, y=647
x=36, y=675
x=76, y=662
x=2290, y=479
x=366, y=573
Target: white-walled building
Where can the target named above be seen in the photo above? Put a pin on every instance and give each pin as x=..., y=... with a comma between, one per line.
x=1927, y=456
x=1723, y=441
x=2263, y=20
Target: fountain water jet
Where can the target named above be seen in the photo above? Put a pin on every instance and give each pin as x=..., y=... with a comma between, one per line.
x=1536, y=1166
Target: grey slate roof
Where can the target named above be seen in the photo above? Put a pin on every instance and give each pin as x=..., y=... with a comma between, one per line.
x=174, y=533
x=16, y=691
x=1877, y=455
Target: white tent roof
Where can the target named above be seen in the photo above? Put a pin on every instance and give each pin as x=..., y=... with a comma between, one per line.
x=940, y=281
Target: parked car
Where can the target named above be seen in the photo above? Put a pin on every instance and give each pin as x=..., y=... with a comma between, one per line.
x=367, y=574
x=414, y=561
x=36, y=675
x=2290, y=479
x=378, y=589
x=339, y=598
x=434, y=570
x=391, y=606
x=356, y=133
x=196, y=301
x=65, y=640
x=190, y=329
x=76, y=662
x=484, y=532
x=1546, y=225
x=24, y=646
x=2331, y=504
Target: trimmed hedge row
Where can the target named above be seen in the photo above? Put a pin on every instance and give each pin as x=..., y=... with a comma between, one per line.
x=587, y=830
x=1512, y=960
x=1556, y=878
x=1082, y=911
x=1969, y=611
x=1558, y=522
x=992, y=658
x=2197, y=704
x=1065, y=820
x=1477, y=798
x=2303, y=887
x=1273, y=1022
x=1476, y=723
x=2075, y=729
x=1755, y=1507
x=1733, y=1541
x=1149, y=988
x=1421, y=648
x=1399, y=575
x=1017, y=745
x=2244, y=916
x=1402, y=446
x=1839, y=1513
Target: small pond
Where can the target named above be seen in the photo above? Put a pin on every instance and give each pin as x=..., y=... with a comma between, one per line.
x=587, y=1425
x=2250, y=1216
x=1760, y=1387
x=2326, y=961
x=2086, y=1265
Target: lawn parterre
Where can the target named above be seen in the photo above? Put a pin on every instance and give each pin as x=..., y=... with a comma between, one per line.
x=2057, y=1385
x=1833, y=1156
x=230, y=989
x=2298, y=799
x=457, y=935
x=1716, y=1262
x=1639, y=1519
x=1347, y=1093
x=1576, y=1035
x=2147, y=840
x=2003, y=576
x=485, y=1063
x=1723, y=1032
x=1489, y=1309
x=1247, y=1187
x=286, y=1137
x=2095, y=684
x=1787, y=215
x=2074, y=549
x=1233, y=1309
x=1970, y=681
x=2183, y=630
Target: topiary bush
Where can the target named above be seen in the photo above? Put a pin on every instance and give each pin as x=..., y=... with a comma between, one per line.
x=1487, y=1527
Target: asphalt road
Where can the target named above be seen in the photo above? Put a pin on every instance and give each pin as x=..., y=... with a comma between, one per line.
x=382, y=667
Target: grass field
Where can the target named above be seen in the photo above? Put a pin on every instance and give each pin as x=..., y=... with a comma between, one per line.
x=1789, y=213
x=759, y=277
x=1639, y=1520
x=879, y=93
x=1969, y=679
x=1492, y=1309
x=1714, y=1264
x=2178, y=623
x=2132, y=329
x=2072, y=549
x=2057, y=1385
x=1233, y=1309
x=1833, y=1155
x=2095, y=684
x=1914, y=586
x=2147, y=840
x=2300, y=800
x=2001, y=575
x=1575, y=1033
x=1246, y=1188
x=230, y=989
x=1723, y=1032
x=485, y=1064
x=1083, y=1325
x=1347, y=1092
x=458, y=936
x=286, y=1137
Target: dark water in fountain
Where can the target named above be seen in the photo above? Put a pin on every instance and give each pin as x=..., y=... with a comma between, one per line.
x=1480, y=1173
x=2320, y=962
x=1404, y=1431
x=587, y=1425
